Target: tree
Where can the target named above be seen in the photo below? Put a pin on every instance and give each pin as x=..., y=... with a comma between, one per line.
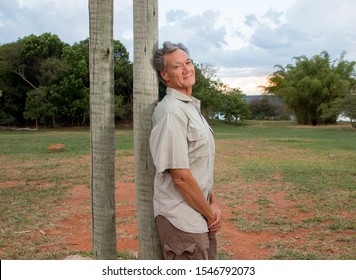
x=14, y=88
x=345, y=106
x=145, y=97
x=311, y=85
x=123, y=81
x=234, y=106
x=30, y=63
x=35, y=51
x=207, y=90
x=263, y=108
x=73, y=89
x=6, y=119
x=102, y=129
x=216, y=97
x=45, y=61
x=38, y=106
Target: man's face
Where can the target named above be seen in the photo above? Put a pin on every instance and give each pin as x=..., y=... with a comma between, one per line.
x=180, y=72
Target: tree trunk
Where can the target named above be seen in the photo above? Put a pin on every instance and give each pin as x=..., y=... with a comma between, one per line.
x=145, y=94
x=102, y=129
x=53, y=120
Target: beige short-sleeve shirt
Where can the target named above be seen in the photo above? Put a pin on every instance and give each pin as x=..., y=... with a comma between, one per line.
x=181, y=139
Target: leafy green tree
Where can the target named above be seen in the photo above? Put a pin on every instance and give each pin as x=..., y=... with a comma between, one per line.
x=79, y=108
x=123, y=70
x=35, y=51
x=216, y=97
x=6, y=119
x=37, y=106
x=14, y=88
x=344, y=106
x=311, y=85
x=30, y=63
x=206, y=89
x=234, y=106
x=73, y=89
x=263, y=109
x=52, y=71
x=45, y=61
x=119, y=106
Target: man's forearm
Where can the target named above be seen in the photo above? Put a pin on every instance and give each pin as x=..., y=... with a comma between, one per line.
x=192, y=194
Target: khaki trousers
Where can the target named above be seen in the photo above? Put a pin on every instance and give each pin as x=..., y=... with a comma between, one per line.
x=179, y=245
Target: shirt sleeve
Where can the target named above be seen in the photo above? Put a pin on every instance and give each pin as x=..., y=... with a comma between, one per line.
x=168, y=143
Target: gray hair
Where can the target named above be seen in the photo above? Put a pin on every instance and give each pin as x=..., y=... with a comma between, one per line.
x=168, y=47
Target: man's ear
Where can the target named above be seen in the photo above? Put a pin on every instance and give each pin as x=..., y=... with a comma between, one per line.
x=164, y=75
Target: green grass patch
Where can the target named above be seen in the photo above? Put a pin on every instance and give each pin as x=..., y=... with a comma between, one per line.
x=25, y=211
x=22, y=144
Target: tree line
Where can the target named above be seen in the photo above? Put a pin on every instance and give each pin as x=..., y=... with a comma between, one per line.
x=44, y=81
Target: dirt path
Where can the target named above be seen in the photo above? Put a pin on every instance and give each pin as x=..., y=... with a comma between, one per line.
x=74, y=229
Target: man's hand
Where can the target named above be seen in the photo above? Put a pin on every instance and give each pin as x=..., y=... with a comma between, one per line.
x=215, y=225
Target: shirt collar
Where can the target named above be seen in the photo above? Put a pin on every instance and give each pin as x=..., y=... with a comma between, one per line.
x=180, y=96
x=175, y=93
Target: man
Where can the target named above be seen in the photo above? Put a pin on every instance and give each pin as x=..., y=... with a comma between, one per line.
x=182, y=146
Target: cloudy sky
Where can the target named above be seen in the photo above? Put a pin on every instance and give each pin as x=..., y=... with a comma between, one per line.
x=243, y=40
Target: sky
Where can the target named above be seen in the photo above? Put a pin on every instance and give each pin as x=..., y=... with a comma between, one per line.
x=242, y=40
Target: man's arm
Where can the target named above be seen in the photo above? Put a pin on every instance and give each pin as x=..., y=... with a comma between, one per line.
x=192, y=194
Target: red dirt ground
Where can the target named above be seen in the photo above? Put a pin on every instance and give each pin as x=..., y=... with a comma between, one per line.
x=71, y=230
x=75, y=228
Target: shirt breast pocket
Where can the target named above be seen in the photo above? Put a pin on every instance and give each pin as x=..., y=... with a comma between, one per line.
x=198, y=145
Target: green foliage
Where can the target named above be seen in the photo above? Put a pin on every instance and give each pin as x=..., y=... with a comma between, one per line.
x=6, y=119
x=46, y=80
x=43, y=69
x=119, y=112
x=38, y=106
x=268, y=108
x=310, y=85
x=263, y=109
x=344, y=106
x=206, y=90
x=217, y=98
x=234, y=107
x=123, y=87
x=13, y=87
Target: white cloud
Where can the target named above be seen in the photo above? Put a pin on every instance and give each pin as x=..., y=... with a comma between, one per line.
x=198, y=32
x=248, y=85
x=326, y=25
x=175, y=15
x=67, y=19
x=244, y=40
